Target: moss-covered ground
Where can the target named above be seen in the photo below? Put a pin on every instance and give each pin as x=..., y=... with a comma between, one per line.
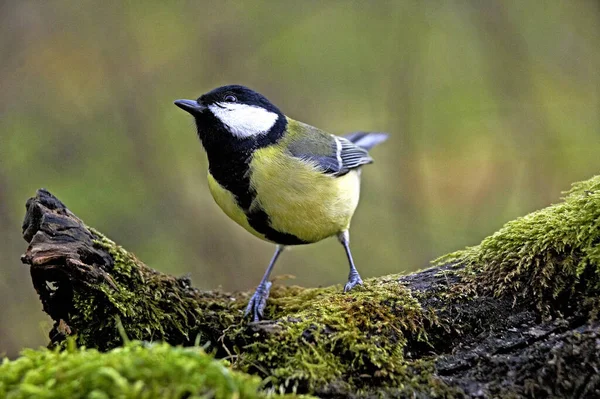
x=385, y=338
x=550, y=257
x=136, y=370
x=324, y=338
x=320, y=339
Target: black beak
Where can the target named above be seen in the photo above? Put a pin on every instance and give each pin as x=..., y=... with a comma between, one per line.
x=190, y=106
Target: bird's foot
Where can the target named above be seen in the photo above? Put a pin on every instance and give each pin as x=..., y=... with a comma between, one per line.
x=258, y=302
x=353, y=280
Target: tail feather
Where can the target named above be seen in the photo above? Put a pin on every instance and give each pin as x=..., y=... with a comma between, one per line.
x=366, y=140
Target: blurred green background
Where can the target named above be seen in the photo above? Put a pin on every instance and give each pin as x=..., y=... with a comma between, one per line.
x=492, y=108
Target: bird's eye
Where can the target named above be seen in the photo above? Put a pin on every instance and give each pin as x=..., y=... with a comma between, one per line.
x=230, y=98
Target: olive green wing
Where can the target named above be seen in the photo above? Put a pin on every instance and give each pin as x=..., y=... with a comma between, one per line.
x=334, y=155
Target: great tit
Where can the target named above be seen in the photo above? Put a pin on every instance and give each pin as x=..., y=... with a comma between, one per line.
x=284, y=181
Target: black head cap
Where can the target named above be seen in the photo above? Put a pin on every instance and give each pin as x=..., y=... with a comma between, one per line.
x=221, y=117
x=239, y=94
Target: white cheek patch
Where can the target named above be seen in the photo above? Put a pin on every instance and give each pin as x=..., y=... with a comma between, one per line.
x=244, y=120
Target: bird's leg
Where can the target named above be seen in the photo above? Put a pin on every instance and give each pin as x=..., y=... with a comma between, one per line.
x=257, y=303
x=353, y=277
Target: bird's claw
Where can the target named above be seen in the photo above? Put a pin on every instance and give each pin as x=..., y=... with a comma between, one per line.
x=258, y=302
x=353, y=281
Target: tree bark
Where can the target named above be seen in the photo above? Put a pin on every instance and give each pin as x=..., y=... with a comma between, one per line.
x=431, y=333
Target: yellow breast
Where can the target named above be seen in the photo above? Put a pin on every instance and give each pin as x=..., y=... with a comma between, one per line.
x=228, y=204
x=299, y=199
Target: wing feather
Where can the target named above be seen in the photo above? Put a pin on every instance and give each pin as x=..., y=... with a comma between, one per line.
x=334, y=155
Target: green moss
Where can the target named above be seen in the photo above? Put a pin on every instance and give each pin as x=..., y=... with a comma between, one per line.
x=551, y=256
x=134, y=371
x=373, y=340
x=150, y=305
x=322, y=340
x=352, y=341
x=322, y=337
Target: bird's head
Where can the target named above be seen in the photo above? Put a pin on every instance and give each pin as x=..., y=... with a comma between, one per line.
x=236, y=111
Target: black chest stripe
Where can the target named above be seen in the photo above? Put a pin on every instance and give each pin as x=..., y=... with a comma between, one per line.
x=259, y=220
x=238, y=183
x=229, y=165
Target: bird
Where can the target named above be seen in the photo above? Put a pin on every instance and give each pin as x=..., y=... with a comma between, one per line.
x=282, y=180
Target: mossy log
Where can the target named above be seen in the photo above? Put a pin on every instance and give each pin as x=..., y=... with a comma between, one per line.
x=513, y=316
